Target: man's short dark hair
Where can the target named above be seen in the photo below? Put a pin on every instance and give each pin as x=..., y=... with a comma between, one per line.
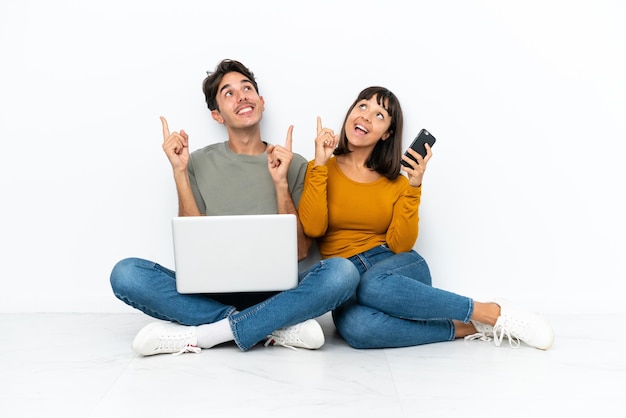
x=213, y=79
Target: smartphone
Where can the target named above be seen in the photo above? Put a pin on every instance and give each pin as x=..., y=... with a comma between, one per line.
x=424, y=137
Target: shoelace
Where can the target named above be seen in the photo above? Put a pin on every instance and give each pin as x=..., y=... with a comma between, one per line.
x=478, y=336
x=181, y=343
x=188, y=349
x=288, y=334
x=500, y=331
x=484, y=332
x=278, y=341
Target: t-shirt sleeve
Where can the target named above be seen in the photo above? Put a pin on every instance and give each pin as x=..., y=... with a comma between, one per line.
x=297, y=174
x=194, y=188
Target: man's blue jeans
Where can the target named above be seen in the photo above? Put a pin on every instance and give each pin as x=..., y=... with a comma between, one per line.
x=151, y=288
x=396, y=305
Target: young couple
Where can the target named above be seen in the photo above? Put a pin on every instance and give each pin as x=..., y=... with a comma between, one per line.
x=351, y=198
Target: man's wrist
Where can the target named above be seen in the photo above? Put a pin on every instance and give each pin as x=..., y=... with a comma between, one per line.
x=281, y=186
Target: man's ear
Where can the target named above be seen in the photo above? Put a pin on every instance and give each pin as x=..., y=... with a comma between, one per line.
x=262, y=103
x=217, y=116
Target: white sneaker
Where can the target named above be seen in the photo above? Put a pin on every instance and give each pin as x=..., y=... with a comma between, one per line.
x=484, y=332
x=166, y=337
x=519, y=324
x=307, y=334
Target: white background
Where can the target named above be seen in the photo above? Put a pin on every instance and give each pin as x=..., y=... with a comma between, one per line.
x=522, y=199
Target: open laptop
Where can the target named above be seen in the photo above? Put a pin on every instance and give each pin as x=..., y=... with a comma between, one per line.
x=238, y=253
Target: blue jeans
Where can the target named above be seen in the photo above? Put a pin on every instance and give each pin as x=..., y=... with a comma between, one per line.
x=396, y=305
x=151, y=288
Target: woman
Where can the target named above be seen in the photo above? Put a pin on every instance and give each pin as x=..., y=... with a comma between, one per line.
x=358, y=205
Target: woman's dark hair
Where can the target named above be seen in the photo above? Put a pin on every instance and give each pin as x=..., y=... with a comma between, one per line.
x=213, y=79
x=386, y=156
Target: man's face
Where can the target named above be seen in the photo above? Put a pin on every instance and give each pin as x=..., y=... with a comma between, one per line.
x=239, y=104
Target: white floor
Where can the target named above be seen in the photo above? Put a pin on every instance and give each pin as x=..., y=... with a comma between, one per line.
x=81, y=365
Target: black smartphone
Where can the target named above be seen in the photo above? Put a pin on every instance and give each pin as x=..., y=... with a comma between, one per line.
x=424, y=137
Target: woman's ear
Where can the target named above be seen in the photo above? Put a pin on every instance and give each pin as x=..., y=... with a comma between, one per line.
x=386, y=135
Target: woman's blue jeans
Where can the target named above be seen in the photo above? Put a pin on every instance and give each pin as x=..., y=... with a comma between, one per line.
x=151, y=288
x=396, y=305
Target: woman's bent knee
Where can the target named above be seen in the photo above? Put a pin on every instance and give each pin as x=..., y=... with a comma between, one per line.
x=342, y=273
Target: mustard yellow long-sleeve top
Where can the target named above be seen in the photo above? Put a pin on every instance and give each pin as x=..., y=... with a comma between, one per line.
x=348, y=218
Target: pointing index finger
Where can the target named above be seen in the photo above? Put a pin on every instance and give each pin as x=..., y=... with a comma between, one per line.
x=319, y=125
x=289, y=139
x=166, y=128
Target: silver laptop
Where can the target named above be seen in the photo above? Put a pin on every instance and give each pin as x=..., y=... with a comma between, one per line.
x=239, y=253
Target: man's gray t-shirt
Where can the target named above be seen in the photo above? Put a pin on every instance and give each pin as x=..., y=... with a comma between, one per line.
x=226, y=183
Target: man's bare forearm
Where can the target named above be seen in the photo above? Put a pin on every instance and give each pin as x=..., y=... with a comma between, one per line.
x=286, y=205
x=187, y=205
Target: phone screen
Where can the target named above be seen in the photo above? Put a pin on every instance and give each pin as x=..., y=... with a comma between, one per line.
x=424, y=137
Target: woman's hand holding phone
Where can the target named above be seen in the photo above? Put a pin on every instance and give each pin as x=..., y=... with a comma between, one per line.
x=415, y=159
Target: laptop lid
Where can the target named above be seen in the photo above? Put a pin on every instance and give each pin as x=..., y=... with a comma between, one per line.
x=239, y=253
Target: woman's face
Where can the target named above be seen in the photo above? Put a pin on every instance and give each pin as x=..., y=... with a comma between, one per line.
x=367, y=123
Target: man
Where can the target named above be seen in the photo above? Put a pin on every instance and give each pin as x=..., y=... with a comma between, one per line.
x=239, y=176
